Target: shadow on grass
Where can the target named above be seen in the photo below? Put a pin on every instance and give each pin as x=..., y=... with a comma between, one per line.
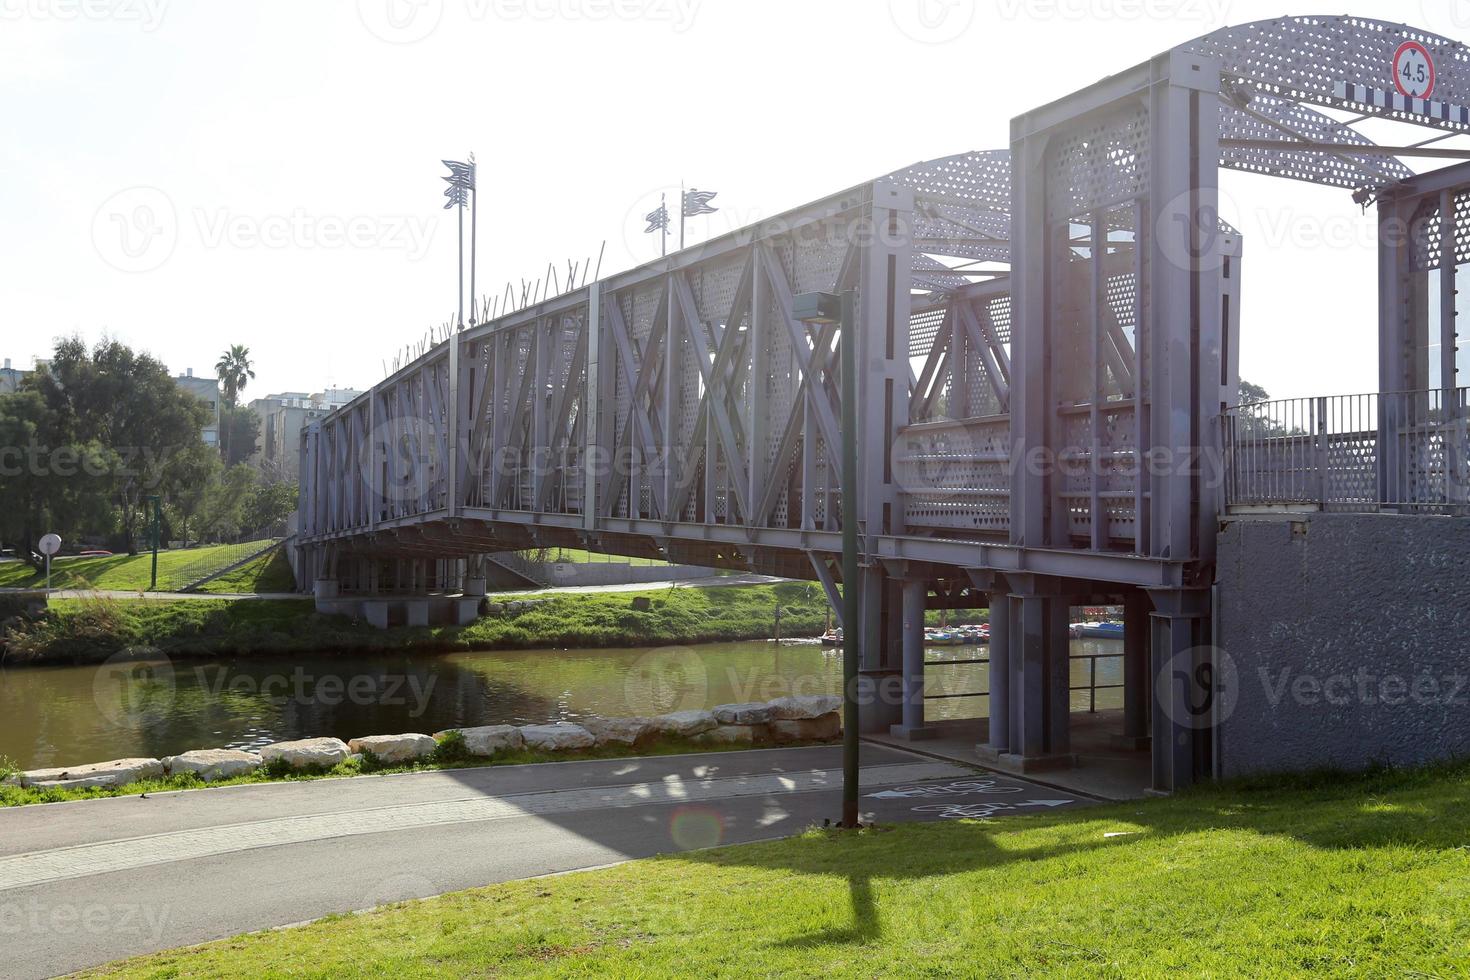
x=1426, y=808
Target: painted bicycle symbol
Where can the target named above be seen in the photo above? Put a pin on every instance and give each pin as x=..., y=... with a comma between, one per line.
x=965, y=787
x=962, y=811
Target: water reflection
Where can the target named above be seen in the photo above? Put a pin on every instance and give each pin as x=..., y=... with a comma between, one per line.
x=70, y=715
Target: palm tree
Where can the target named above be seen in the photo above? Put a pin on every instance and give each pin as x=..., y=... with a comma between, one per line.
x=235, y=372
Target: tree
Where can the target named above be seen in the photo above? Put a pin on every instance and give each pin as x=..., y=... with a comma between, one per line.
x=121, y=409
x=222, y=515
x=270, y=505
x=1249, y=393
x=235, y=372
x=199, y=469
x=239, y=434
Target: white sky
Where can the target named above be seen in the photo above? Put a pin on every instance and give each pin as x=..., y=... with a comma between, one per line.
x=254, y=133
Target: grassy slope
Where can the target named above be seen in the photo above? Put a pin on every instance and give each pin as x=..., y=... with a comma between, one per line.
x=268, y=573
x=120, y=572
x=1348, y=877
x=91, y=630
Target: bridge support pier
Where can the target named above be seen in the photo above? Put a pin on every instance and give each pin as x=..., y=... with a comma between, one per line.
x=1183, y=712
x=915, y=593
x=1135, y=735
x=1036, y=691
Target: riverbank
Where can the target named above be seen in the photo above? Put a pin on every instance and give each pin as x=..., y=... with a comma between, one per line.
x=83, y=631
x=1330, y=874
x=448, y=759
x=89, y=631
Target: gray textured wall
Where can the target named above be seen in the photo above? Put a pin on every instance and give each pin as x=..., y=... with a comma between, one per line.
x=1350, y=635
x=613, y=573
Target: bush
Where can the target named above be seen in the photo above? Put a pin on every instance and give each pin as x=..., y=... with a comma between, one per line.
x=451, y=748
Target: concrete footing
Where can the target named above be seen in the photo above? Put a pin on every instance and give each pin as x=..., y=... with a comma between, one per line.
x=1011, y=762
x=383, y=611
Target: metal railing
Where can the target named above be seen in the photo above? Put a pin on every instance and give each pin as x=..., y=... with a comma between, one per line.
x=1403, y=452
x=1091, y=687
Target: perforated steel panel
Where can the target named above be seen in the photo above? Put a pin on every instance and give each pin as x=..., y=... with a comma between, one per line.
x=1266, y=117
x=1100, y=163
x=1302, y=59
x=955, y=477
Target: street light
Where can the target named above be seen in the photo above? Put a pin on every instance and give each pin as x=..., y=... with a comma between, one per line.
x=840, y=308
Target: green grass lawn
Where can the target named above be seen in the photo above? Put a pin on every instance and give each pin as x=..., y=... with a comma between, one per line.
x=1336, y=876
x=268, y=573
x=131, y=573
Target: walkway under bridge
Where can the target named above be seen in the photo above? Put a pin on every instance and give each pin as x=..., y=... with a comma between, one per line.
x=1048, y=371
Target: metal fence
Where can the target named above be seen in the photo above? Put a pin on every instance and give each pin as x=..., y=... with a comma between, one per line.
x=1403, y=452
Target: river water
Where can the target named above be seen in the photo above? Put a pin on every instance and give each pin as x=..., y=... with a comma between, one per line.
x=71, y=715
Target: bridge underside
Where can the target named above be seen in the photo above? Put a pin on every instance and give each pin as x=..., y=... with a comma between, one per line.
x=1047, y=346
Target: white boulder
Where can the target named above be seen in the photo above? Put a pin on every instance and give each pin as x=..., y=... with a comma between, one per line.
x=395, y=749
x=749, y=713
x=558, y=737
x=685, y=723
x=804, y=706
x=212, y=764
x=490, y=740
x=620, y=731
x=307, y=753
x=118, y=772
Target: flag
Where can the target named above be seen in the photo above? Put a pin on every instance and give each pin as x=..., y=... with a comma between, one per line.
x=697, y=202
x=658, y=220
x=461, y=181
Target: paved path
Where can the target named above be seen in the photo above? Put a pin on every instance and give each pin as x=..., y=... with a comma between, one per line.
x=697, y=583
x=88, y=882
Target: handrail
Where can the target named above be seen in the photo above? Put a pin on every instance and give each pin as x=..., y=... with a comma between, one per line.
x=1403, y=452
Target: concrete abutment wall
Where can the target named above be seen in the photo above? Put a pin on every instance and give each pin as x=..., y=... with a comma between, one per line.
x=1349, y=639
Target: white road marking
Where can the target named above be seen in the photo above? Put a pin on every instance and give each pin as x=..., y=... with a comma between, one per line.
x=37, y=867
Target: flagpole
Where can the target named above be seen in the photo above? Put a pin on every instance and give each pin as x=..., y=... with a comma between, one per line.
x=663, y=202
x=461, y=265
x=681, y=216
x=474, y=215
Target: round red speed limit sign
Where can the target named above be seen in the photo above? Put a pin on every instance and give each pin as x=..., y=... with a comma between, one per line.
x=1413, y=70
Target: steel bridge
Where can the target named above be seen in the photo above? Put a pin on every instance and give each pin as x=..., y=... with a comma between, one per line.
x=1047, y=349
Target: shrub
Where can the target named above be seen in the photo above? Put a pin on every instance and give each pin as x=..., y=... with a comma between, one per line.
x=451, y=748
